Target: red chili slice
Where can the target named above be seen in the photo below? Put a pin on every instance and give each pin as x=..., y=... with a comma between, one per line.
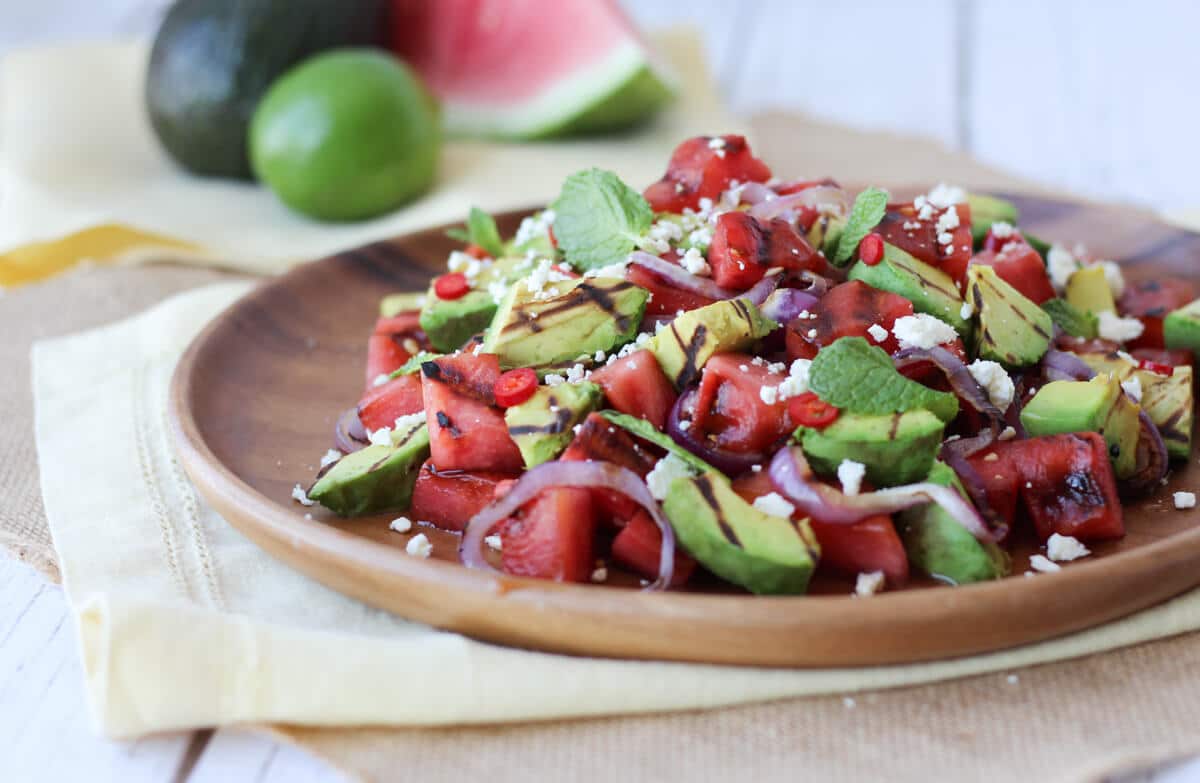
x=515, y=386
x=451, y=286
x=1156, y=367
x=475, y=251
x=809, y=410
x=870, y=250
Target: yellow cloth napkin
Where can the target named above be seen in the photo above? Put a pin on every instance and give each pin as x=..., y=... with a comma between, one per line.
x=77, y=152
x=183, y=622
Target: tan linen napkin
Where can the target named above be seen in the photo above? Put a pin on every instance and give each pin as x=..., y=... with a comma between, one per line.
x=184, y=623
x=77, y=151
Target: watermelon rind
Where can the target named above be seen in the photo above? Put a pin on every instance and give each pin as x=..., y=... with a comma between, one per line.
x=617, y=92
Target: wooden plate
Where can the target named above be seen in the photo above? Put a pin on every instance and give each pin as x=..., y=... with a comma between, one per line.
x=253, y=405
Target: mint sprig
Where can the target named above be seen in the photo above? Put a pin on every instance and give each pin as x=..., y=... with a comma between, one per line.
x=481, y=230
x=869, y=208
x=598, y=219
x=1072, y=320
x=860, y=378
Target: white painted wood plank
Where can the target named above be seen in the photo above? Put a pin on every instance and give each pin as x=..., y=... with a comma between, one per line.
x=1097, y=97
x=241, y=755
x=45, y=729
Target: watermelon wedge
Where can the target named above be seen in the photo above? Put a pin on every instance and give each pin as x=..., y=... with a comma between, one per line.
x=529, y=69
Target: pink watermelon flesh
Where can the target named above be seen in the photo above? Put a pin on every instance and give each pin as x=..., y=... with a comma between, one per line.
x=529, y=68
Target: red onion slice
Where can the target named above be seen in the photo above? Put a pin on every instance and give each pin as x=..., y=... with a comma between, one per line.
x=587, y=475
x=792, y=476
x=1065, y=366
x=759, y=292
x=755, y=193
x=686, y=281
x=1151, y=457
x=348, y=433
x=818, y=286
x=956, y=372
x=731, y=463
x=784, y=304
x=822, y=197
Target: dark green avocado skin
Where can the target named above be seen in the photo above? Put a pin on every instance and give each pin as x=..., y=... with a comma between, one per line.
x=213, y=59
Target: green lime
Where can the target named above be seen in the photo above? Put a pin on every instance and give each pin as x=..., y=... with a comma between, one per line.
x=347, y=135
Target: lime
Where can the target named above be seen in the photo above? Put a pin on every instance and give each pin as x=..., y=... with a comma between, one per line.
x=347, y=135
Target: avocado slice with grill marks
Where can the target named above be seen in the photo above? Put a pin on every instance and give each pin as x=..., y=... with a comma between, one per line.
x=542, y=425
x=930, y=290
x=764, y=553
x=895, y=449
x=376, y=478
x=691, y=339
x=1098, y=405
x=1012, y=329
x=1167, y=399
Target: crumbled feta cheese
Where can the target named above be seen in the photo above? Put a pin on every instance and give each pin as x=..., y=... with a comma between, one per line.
x=848, y=702
x=612, y=270
x=409, y=422
x=1002, y=230
x=665, y=471
x=330, y=457
x=945, y=238
x=419, y=546
x=756, y=468
x=944, y=196
x=497, y=289
x=666, y=229
x=410, y=345
x=1061, y=265
x=774, y=504
x=1133, y=387
x=493, y=541
x=534, y=226
x=600, y=575
x=381, y=379
x=380, y=437
x=536, y=282
x=812, y=333
x=769, y=394
x=653, y=245
x=797, y=381
x=577, y=429
x=702, y=236
x=925, y=211
x=643, y=338
x=993, y=457
x=554, y=379
x=1012, y=679
x=693, y=261
x=302, y=498
x=716, y=143
x=922, y=331
x=400, y=524
x=877, y=332
x=911, y=225
x=1114, y=278
x=948, y=221
x=758, y=361
x=776, y=367
x=578, y=373
x=1185, y=500
x=599, y=356
x=1063, y=548
x=458, y=261
x=744, y=367
x=1043, y=564
x=1120, y=330
x=1008, y=433
x=868, y=584
x=850, y=474
x=966, y=311
x=994, y=379
x=685, y=424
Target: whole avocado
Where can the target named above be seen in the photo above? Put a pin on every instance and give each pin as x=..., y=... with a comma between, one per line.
x=213, y=59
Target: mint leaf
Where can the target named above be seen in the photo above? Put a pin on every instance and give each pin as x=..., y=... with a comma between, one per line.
x=1072, y=320
x=868, y=210
x=482, y=231
x=598, y=219
x=643, y=429
x=860, y=378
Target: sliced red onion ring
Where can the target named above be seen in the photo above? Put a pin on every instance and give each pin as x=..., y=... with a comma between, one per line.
x=759, y=292
x=1151, y=456
x=685, y=280
x=817, y=285
x=955, y=454
x=1065, y=366
x=822, y=197
x=755, y=193
x=784, y=304
x=792, y=476
x=960, y=378
x=731, y=463
x=587, y=475
x=348, y=433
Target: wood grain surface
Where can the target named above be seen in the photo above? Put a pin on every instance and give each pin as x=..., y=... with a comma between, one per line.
x=257, y=394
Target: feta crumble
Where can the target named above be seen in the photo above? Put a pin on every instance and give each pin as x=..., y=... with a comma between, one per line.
x=693, y=261
x=995, y=381
x=1043, y=564
x=868, y=584
x=380, y=437
x=419, y=546
x=877, y=332
x=1114, y=278
x=966, y=311
x=303, y=499
x=922, y=331
x=1061, y=265
x=409, y=422
x=776, y=367
x=400, y=524
x=493, y=541
x=534, y=226
x=1002, y=230
x=948, y=221
x=577, y=374
x=944, y=196
x=1118, y=329
x=1185, y=500
x=1133, y=387
x=850, y=474
x=769, y=394
x=554, y=379
x=665, y=471
x=1064, y=548
x=1008, y=433
x=797, y=381
x=600, y=575
x=330, y=457
x=775, y=505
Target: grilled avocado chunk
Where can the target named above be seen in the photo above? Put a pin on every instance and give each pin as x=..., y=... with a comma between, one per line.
x=687, y=342
x=1167, y=399
x=1181, y=328
x=986, y=210
x=940, y=546
x=377, y=478
x=929, y=289
x=1088, y=290
x=542, y=425
x=1012, y=329
x=738, y=542
x=576, y=319
x=1098, y=405
x=896, y=449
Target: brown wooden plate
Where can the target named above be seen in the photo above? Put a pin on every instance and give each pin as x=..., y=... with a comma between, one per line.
x=253, y=404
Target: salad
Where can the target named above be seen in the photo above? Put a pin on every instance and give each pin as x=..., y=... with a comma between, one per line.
x=749, y=378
